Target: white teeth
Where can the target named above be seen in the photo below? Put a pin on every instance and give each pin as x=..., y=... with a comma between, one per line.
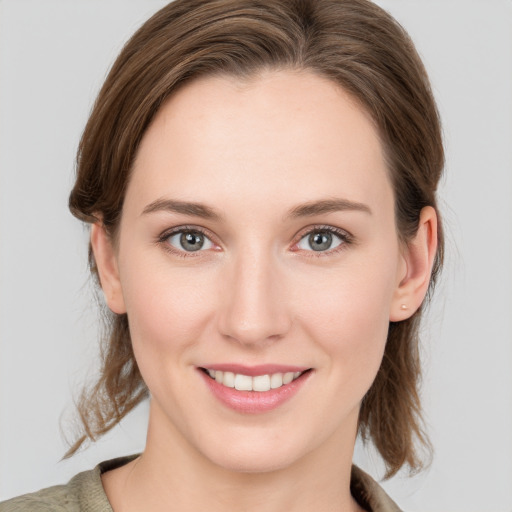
x=287, y=377
x=276, y=380
x=229, y=379
x=259, y=383
x=243, y=382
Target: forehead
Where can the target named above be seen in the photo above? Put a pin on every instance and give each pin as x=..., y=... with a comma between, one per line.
x=293, y=134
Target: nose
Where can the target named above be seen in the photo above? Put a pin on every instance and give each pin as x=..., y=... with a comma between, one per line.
x=254, y=306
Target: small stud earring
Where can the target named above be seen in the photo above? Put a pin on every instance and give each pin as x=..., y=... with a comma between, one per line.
x=403, y=306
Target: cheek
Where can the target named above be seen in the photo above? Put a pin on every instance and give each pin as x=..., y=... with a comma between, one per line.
x=168, y=312
x=167, y=308
x=347, y=314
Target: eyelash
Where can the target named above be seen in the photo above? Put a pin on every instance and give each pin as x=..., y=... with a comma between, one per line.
x=346, y=240
x=345, y=237
x=164, y=237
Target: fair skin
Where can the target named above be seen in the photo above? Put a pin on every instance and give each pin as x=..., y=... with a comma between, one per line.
x=270, y=161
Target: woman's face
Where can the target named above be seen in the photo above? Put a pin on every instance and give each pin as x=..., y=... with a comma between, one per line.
x=257, y=240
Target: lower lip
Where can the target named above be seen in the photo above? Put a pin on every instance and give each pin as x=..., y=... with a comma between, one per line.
x=254, y=402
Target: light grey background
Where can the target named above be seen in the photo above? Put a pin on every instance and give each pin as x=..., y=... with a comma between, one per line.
x=54, y=55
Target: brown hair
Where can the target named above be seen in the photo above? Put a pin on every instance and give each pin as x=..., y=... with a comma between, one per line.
x=353, y=43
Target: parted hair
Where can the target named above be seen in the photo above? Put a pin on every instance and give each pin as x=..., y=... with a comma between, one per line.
x=355, y=44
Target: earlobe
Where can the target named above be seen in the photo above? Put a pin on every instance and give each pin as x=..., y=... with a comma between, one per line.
x=106, y=262
x=418, y=257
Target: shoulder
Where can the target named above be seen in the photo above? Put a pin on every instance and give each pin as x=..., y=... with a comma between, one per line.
x=55, y=499
x=369, y=494
x=83, y=493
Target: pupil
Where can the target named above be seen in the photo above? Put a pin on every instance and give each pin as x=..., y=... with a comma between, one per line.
x=191, y=241
x=320, y=241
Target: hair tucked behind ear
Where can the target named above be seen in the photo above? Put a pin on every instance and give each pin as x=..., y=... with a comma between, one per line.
x=119, y=389
x=392, y=424
x=353, y=43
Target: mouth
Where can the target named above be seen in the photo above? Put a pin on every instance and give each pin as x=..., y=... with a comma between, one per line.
x=257, y=383
x=254, y=389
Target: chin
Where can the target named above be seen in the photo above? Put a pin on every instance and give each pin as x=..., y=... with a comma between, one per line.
x=261, y=451
x=244, y=460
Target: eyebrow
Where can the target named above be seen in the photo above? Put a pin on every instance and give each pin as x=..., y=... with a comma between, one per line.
x=184, y=207
x=309, y=209
x=327, y=206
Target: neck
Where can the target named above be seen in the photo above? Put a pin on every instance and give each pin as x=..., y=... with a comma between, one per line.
x=172, y=474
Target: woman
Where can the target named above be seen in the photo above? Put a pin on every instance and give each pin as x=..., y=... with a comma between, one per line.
x=260, y=181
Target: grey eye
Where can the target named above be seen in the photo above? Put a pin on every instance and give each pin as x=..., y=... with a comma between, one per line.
x=319, y=240
x=189, y=241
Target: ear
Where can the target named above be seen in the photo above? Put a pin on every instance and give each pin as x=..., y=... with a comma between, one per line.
x=106, y=261
x=418, y=256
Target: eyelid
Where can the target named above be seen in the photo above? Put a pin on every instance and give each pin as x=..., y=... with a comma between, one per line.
x=346, y=238
x=165, y=235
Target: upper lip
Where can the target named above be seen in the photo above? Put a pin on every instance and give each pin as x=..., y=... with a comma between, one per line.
x=253, y=371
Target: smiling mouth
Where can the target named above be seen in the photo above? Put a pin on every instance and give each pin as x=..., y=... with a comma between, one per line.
x=258, y=383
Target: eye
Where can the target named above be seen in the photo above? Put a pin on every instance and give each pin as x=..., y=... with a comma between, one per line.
x=321, y=240
x=189, y=240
